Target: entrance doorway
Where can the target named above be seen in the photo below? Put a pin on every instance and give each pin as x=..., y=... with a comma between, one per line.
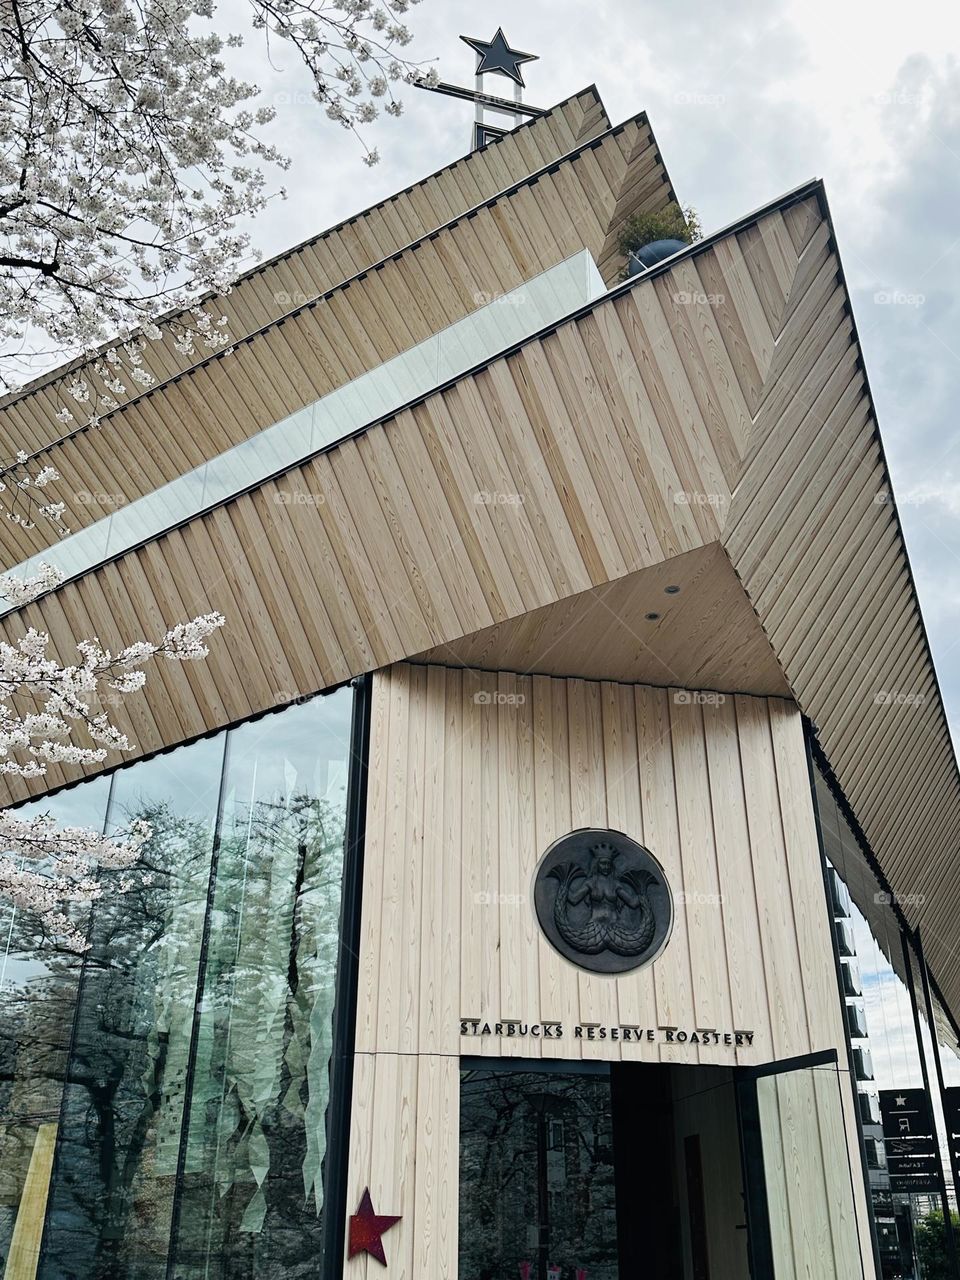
x=663, y=1171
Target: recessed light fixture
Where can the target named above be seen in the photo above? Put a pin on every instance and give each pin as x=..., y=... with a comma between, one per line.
x=652, y=617
x=672, y=591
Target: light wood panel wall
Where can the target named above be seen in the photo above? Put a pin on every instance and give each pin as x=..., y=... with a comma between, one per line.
x=278, y=285
x=813, y=535
x=735, y=375
x=403, y=300
x=382, y=547
x=24, y=1256
x=473, y=775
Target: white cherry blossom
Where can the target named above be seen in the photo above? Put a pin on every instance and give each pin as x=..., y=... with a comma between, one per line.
x=129, y=150
x=43, y=703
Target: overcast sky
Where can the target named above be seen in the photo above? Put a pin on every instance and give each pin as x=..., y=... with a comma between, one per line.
x=747, y=101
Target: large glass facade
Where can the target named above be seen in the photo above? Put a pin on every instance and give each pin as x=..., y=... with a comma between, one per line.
x=890, y=1060
x=163, y=1099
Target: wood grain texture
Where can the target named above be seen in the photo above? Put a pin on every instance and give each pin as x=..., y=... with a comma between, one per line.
x=24, y=1255
x=719, y=402
x=573, y=462
x=393, y=300
x=481, y=772
x=705, y=634
x=280, y=284
x=716, y=787
x=813, y=536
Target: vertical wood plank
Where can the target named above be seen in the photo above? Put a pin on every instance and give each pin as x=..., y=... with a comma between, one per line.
x=703, y=905
x=672, y=973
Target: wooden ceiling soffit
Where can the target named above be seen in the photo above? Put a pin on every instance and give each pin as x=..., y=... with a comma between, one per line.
x=685, y=623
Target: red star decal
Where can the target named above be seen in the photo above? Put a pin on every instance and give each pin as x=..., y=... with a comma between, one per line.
x=367, y=1228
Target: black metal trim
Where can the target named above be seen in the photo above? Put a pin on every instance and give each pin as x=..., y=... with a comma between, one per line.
x=71, y=1054
x=937, y=1060
x=336, y=1160
x=925, y=1074
x=540, y=1066
x=861, y=1140
x=843, y=804
x=485, y=99
x=182, y=742
x=756, y=1206
x=780, y=1066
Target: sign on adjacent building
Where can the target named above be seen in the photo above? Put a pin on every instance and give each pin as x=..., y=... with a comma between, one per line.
x=909, y=1136
x=951, y=1100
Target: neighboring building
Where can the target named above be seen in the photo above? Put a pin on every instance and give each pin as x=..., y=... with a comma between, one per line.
x=522, y=924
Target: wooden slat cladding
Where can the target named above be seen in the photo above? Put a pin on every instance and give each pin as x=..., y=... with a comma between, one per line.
x=721, y=400
x=275, y=287
x=589, y=454
x=813, y=535
x=685, y=621
x=403, y=301
x=473, y=775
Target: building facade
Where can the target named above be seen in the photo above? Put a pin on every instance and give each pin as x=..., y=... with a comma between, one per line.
x=498, y=915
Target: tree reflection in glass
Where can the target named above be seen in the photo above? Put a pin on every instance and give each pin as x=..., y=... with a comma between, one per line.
x=252, y=1193
x=111, y=1203
x=38, y=986
x=193, y=1120
x=536, y=1175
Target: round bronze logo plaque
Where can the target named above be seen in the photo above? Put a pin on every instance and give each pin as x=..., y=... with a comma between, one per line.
x=603, y=901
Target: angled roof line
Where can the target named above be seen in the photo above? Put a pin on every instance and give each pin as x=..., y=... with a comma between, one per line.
x=813, y=187
x=530, y=179
x=44, y=379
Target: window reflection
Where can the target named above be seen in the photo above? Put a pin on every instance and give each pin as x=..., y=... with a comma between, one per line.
x=252, y=1193
x=38, y=983
x=880, y=1022
x=172, y=1084
x=536, y=1175
x=112, y=1201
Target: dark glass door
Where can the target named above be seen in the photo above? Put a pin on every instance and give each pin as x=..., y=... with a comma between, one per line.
x=537, y=1178
x=595, y=1171
x=661, y=1171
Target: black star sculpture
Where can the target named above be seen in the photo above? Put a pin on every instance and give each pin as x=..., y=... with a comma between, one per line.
x=497, y=56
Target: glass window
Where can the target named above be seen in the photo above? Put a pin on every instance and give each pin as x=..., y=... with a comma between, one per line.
x=163, y=1098
x=38, y=985
x=252, y=1192
x=880, y=1022
x=112, y=1199
x=377, y=393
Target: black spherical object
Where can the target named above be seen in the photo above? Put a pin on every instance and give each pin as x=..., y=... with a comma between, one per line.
x=650, y=254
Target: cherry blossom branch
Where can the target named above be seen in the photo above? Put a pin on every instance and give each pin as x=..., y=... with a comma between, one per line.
x=58, y=699
x=129, y=150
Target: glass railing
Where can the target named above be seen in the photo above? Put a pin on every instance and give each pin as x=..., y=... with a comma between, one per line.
x=495, y=326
